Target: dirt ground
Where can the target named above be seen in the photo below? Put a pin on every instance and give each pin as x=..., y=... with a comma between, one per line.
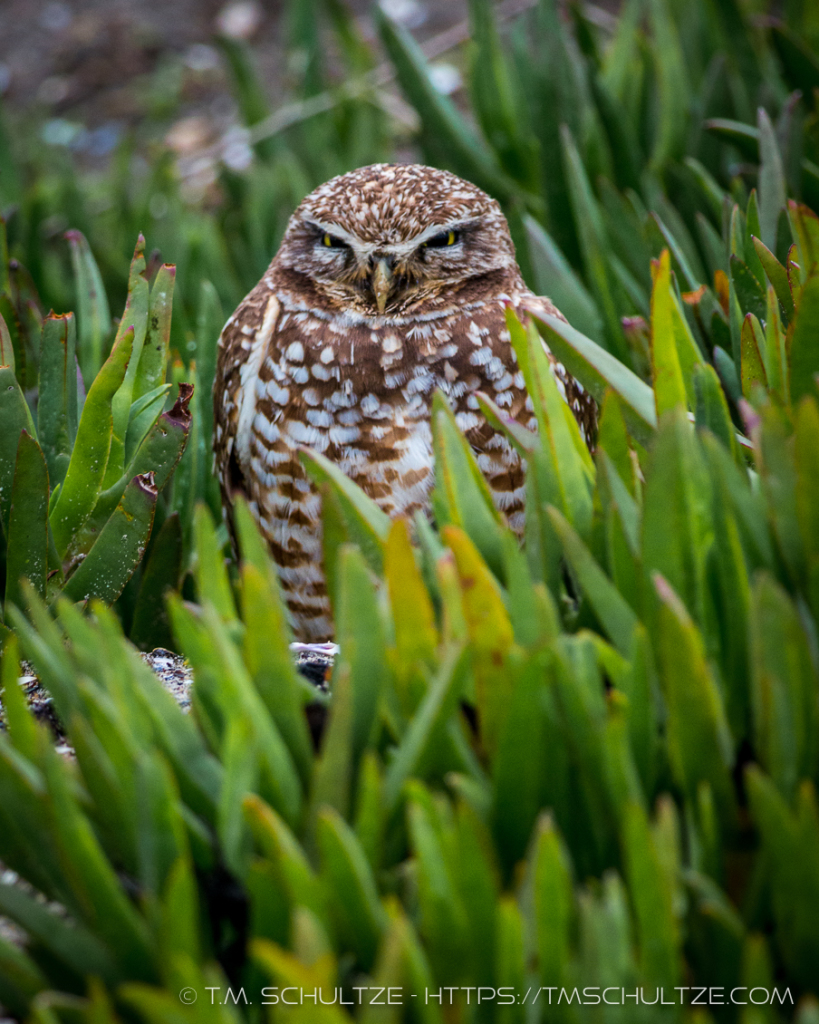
x=106, y=63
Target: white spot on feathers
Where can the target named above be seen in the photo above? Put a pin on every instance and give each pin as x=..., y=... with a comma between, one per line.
x=481, y=356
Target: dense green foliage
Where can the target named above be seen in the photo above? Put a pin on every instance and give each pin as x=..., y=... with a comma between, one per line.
x=78, y=491
x=588, y=761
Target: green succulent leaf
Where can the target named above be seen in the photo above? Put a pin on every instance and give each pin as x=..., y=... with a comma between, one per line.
x=597, y=369
x=89, y=458
x=119, y=548
x=93, y=315
x=57, y=399
x=804, y=352
x=366, y=525
x=27, y=532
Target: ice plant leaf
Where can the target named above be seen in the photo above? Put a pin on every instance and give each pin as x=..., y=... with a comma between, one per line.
x=89, y=458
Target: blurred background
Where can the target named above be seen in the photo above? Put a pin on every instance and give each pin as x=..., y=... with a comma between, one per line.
x=202, y=124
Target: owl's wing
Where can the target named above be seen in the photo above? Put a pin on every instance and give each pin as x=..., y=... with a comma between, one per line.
x=243, y=344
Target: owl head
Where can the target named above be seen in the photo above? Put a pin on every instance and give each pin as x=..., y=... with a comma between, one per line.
x=392, y=239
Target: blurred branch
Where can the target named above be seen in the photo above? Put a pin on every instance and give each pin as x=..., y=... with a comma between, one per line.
x=368, y=86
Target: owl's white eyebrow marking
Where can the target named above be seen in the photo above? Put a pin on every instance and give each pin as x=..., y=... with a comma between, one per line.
x=364, y=250
x=336, y=230
x=439, y=229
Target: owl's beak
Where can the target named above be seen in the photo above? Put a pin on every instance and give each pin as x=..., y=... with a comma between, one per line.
x=382, y=284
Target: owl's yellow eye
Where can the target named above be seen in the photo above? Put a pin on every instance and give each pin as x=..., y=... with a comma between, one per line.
x=442, y=241
x=331, y=242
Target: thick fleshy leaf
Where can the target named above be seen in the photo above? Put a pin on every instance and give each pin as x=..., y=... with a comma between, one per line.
x=691, y=281
x=771, y=180
x=783, y=689
x=277, y=842
x=93, y=316
x=444, y=923
x=676, y=529
x=564, y=455
x=749, y=292
x=366, y=524
x=711, y=409
x=7, y=353
x=462, y=496
x=777, y=275
x=74, y=947
x=553, y=902
x=615, y=614
x=497, y=98
x=27, y=531
x=150, y=627
x=134, y=317
x=57, y=398
x=672, y=84
x=119, y=548
x=266, y=641
x=597, y=369
x=753, y=365
x=699, y=742
x=210, y=320
x=799, y=60
x=805, y=229
x=775, y=459
x=363, y=649
x=669, y=383
x=21, y=724
x=613, y=439
x=532, y=609
x=14, y=418
x=210, y=571
x=517, y=790
x=428, y=726
x=804, y=340
x=164, y=444
x=753, y=231
x=350, y=882
x=489, y=630
x=150, y=371
x=86, y=470
x=97, y=894
x=790, y=838
x=143, y=415
x=777, y=369
x=621, y=529
x=224, y=693
x=413, y=613
x=268, y=658
x=159, y=453
x=334, y=769
x=555, y=278
x=806, y=455
x=657, y=929
x=593, y=243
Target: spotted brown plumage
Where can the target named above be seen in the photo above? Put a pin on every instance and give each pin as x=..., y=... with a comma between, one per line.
x=391, y=281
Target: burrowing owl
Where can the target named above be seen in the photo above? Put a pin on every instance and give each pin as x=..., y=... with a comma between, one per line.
x=390, y=282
